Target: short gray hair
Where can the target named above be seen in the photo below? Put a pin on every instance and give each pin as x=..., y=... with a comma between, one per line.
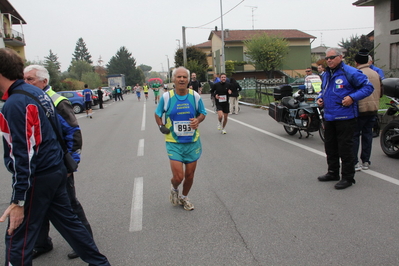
x=41, y=72
x=175, y=70
x=336, y=50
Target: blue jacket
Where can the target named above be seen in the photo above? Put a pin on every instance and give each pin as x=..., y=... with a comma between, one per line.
x=71, y=132
x=343, y=81
x=30, y=144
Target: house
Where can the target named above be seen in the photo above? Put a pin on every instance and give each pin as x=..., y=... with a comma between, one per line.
x=386, y=34
x=297, y=60
x=9, y=37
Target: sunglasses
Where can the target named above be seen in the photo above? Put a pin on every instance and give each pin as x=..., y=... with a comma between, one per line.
x=331, y=57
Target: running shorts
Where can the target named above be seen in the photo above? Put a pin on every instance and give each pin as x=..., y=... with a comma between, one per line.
x=184, y=152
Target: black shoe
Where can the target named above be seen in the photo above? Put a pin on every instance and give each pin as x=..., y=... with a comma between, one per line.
x=37, y=252
x=344, y=183
x=73, y=255
x=328, y=177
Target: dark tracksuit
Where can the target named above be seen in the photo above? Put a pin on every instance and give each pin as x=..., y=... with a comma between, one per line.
x=73, y=140
x=34, y=157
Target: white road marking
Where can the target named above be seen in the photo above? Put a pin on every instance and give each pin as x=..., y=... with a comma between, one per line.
x=140, y=150
x=136, y=214
x=370, y=172
x=143, y=119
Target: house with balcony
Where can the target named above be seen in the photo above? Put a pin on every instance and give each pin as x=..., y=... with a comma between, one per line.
x=386, y=34
x=11, y=28
x=297, y=60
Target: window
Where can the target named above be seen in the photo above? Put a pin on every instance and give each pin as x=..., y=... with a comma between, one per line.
x=394, y=10
x=394, y=56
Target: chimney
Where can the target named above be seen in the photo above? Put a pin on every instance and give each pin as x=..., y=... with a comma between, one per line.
x=216, y=28
x=226, y=33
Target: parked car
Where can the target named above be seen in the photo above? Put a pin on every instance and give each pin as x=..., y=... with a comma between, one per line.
x=76, y=99
x=105, y=95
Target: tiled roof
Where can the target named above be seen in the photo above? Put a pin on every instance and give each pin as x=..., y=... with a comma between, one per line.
x=206, y=44
x=241, y=35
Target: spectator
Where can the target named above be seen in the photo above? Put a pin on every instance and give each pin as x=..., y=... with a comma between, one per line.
x=343, y=86
x=233, y=99
x=368, y=108
x=194, y=84
x=100, y=97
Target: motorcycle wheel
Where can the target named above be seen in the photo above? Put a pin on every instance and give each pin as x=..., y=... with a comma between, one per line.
x=388, y=147
x=322, y=130
x=290, y=130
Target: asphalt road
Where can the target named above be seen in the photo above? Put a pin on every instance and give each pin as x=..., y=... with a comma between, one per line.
x=256, y=195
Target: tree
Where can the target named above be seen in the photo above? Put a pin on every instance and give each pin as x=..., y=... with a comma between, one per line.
x=53, y=67
x=267, y=52
x=145, y=69
x=196, y=61
x=92, y=79
x=78, y=68
x=81, y=53
x=123, y=63
x=353, y=45
x=101, y=71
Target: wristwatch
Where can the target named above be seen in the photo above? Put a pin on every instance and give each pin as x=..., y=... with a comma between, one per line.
x=20, y=203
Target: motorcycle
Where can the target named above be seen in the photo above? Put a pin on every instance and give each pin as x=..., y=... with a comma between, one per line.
x=297, y=112
x=389, y=138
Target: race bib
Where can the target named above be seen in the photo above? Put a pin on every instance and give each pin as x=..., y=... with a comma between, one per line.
x=182, y=128
x=222, y=98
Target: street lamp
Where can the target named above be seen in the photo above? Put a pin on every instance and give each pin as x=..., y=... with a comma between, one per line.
x=168, y=68
x=178, y=42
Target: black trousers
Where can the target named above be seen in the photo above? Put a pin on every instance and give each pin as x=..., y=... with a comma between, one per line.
x=338, y=145
x=44, y=241
x=48, y=196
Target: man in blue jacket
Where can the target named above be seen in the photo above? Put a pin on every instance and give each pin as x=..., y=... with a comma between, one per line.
x=38, y=76
x=34, y=157
x=343, y=86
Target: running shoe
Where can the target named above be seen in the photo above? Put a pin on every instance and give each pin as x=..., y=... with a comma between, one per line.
x=365, y=166
x=358, y=167
x=224, y=131
x=174, y=196
x=219, y=126
x=188, y=206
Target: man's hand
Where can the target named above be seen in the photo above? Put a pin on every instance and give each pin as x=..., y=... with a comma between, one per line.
x=16, y=216
x=194, y=123
x=347, y=101
x=320, y=102
x=164, y=129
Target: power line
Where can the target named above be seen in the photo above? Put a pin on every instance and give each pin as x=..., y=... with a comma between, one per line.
x=220, y=16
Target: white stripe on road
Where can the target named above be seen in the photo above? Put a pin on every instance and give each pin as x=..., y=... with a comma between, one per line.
x=370, y=172
x=143, y=119
x=140, y=150
x=136, y=214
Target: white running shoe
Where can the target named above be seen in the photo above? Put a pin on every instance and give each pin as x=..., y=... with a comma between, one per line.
x=188, y=206
x=219, y=126
x=358, y=167
x=224, y=131
x=174, y=196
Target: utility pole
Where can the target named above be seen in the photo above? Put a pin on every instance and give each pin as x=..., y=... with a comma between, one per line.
x=168, y=68
x=184, y=47
x=178, y=42
x=222, y=66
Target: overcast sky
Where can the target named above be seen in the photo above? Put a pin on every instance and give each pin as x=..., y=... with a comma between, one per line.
x=151, y=29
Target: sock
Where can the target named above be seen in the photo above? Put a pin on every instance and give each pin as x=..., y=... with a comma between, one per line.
x=183, y=197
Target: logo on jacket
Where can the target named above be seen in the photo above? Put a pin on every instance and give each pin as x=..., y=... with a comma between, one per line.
x=339, y=81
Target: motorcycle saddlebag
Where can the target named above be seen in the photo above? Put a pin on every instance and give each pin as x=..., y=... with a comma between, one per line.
x=391, y=87
x=282, y=91
x=276, y=111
